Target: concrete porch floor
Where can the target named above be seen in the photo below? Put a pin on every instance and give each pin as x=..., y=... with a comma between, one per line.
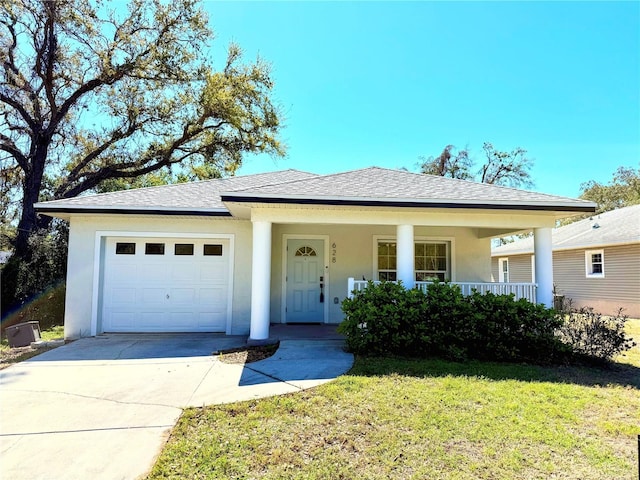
x=305, y=332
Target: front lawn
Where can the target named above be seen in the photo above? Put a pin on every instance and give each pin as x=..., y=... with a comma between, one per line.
x=398, y=418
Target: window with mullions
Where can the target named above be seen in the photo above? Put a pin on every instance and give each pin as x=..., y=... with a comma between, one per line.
x=387, y=261
x=431, y=261
x=594, y=263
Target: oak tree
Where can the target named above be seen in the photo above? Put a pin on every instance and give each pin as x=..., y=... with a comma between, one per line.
x=94, y=94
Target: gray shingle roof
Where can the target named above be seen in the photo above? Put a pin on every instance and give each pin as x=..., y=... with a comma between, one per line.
x=360, y=187
x=619, y=226
x=396, y=185
x=204, y=195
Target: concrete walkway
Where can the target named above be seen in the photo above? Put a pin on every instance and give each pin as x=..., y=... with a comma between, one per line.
x=102, y=407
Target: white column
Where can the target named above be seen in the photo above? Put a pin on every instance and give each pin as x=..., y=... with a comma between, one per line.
x=405, y=255
x=543, y=252
x=260, y=281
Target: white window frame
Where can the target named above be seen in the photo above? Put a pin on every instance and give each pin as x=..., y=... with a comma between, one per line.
x=501, y=271
x=449, y=241
x=588, y=263
x=533, y=269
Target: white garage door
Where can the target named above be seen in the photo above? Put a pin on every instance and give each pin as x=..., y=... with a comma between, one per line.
x=165, y=285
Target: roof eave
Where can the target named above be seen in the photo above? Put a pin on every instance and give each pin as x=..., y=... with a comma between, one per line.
x=93, y=210
x=587, y=207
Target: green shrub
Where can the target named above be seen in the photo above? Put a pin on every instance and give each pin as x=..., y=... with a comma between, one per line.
x=382, y=319
x=590, y=333
x=509, y=329
x=388, y=319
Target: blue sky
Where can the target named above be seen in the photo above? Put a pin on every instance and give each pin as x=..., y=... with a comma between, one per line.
x=382, y=83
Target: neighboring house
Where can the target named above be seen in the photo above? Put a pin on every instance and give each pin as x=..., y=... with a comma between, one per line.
x=236, y=254
x=596, y=261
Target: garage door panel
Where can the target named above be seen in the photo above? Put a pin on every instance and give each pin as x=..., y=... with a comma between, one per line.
x=183, y=272
x=173, y=293
x=211, y=320
x=123, y=296
x=152, y=319
x=123, y=320
x=216, y=273
x=153, y=295
x=154, y=274
x=183, y=295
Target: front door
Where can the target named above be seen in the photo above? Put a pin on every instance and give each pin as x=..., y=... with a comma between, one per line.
x=305, y=281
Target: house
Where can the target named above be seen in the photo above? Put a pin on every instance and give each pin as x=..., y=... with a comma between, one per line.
x=237, y=254
x=596, y=261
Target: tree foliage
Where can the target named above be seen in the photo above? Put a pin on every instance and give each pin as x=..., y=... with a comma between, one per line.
x=92, y=96
x=498, y=168
x=622, y=191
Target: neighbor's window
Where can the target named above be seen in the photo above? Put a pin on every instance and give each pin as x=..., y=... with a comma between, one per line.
x=503, y=273
x=183, y=249
x=212, y=250
x=431, y=261
x=127, y=248
x=594, y=263
x=154, y=248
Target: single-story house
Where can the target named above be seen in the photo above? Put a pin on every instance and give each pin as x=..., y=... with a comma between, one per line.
x=237, y=254
x=596, y=261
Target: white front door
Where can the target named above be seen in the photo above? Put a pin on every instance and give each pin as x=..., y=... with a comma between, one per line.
x=306, y=286
x=166, y=285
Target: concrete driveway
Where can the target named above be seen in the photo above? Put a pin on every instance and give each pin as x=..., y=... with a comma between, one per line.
x=102, y=407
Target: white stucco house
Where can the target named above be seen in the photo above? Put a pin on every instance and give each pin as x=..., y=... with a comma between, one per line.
x=235, y=255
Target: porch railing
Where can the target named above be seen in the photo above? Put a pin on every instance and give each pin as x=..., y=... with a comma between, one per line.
x=520, y=290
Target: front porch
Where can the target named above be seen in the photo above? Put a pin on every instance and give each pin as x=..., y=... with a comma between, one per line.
x=519, y=290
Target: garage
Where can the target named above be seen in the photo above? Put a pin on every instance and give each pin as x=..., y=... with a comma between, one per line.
x=166, y=284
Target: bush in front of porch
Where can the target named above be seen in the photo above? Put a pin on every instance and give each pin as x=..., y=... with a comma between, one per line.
x=388, y=319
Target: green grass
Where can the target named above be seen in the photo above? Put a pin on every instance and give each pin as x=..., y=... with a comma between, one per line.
x=632, y=356
x=422, y=419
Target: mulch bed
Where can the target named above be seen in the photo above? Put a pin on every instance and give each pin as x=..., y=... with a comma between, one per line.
x=247, y=354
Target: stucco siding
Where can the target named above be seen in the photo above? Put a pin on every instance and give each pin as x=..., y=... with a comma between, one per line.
x=354, y=247
x=354, y=257
x=82, y=263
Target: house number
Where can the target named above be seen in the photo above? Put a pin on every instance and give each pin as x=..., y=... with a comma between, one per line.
x=334, y=252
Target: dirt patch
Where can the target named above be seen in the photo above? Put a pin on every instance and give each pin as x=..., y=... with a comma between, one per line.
x=247, y=354
x=9, y=356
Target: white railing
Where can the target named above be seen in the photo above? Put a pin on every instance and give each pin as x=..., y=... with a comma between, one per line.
x=520, y=290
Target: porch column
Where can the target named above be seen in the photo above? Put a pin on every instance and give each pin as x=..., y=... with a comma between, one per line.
x=405, y=255
x=544, y=265
x=260, y=282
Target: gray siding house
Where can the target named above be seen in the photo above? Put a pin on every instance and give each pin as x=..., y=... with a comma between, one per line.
x=596, y=261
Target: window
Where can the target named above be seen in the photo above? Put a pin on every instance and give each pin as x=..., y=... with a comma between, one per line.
x=212, y=251
x=305, y=252
x=594, y=263
x=123, y=248
x=431, y=261
x=387, y=261
x=183, y=249
x=154, y=248
x=503, y=270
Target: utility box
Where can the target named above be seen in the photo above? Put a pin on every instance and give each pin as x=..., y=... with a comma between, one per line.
x=22, y=334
